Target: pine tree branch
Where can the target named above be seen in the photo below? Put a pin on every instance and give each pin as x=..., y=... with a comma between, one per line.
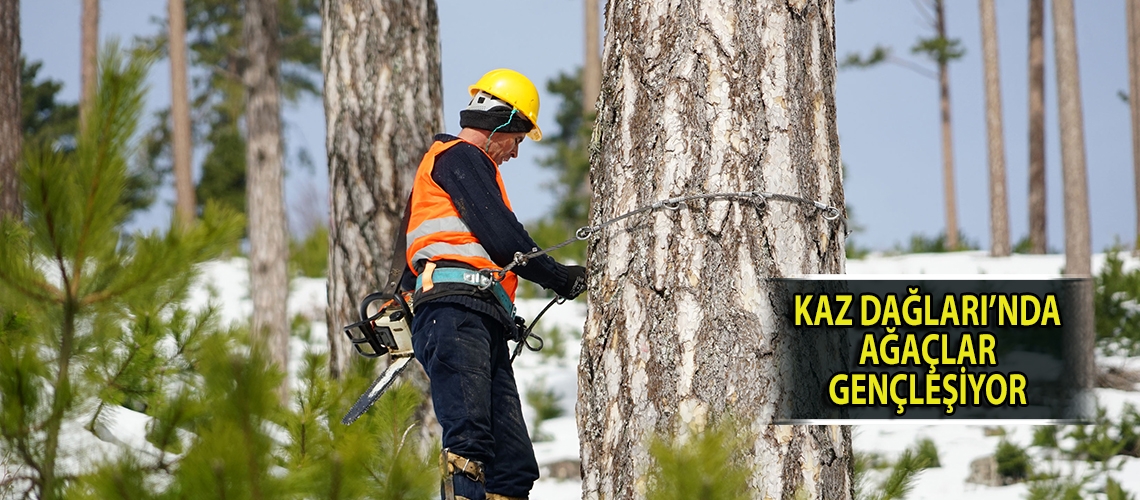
x=50, y=293
x=49, y=220
x=101, y=156
x=921, y=70
x=925, y=11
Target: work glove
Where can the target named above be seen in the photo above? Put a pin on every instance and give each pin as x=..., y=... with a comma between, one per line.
x=575, y=283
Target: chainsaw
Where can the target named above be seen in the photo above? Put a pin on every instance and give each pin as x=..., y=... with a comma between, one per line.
x=386, y=333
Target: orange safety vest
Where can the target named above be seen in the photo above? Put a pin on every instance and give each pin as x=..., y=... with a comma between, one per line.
x=435, y=230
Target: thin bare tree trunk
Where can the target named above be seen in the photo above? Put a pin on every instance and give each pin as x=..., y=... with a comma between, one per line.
x=180, y=114
x=268, y=247
x=383, y=103
x=999, y=209
x=951, y=203
x=1133, y=19
x=1037, y=233
x=1078, y=248
x=11, y=130
x=592, y=67
x=724, y=96
x=90, y=58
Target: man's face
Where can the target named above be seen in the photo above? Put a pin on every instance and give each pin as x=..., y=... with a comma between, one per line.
x=502, y=146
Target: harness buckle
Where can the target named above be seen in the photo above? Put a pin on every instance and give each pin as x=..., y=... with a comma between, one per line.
x=483, y=280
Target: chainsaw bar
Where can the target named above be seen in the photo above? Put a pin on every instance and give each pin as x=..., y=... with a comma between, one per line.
x=376, y=390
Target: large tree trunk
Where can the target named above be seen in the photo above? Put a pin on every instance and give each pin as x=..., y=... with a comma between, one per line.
x=89, y=51
x=383, y=103
x=732, y=96
x=1133, y=15
x=1037, y=240
x=592, y=64
x=951, y=203
x=265, y=206
x=1075, y=179
x=180, y=114
x=999, y=211
x=11, y=130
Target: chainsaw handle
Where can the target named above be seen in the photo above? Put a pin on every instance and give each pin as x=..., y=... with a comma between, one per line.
x=387, y=297
x=368, y=300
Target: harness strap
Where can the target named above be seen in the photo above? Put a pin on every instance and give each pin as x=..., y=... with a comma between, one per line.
x=459, y=464
x=468, y=277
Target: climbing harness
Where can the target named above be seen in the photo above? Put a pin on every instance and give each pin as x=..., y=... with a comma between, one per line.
x=388, y=331
x=467, y=277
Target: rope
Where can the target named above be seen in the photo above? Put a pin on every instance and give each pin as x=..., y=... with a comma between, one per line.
x=583, y=233
x=528, y=334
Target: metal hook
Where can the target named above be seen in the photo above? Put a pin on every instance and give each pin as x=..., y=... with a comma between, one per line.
x=584, y=233
x=760, y=199
x=671, y=205
x=490, y=276
x=831, y=213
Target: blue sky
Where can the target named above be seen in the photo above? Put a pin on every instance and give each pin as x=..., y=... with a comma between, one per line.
x=888, y=116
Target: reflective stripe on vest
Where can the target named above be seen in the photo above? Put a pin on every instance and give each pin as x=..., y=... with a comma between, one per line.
x=435, y=230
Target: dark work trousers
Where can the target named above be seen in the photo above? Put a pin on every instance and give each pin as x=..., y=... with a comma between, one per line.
x=473, y=387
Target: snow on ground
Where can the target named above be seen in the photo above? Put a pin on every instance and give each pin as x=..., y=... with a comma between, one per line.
x=224, y=283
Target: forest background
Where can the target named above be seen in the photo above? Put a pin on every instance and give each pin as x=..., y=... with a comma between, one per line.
x=888, y=116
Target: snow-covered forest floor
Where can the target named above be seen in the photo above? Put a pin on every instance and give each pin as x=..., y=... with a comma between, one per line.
x=553, y=372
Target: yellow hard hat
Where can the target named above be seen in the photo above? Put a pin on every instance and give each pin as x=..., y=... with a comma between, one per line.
x=515, y=89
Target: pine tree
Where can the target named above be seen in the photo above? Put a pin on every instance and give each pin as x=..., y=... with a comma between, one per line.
x=89, y=47
x=46, y=121
x=1037, y=230
x=93, y=322
x=383, y=106
x=214, y=40
x=11, y=129
x=1132, y=19
x=1078, y=246
x=71, y=281
x=940, y=49
x=180, y=112
x=265, y=203
x=727, y=98
x=999, y=211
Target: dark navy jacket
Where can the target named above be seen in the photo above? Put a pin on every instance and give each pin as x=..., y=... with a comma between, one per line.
x=468, y=177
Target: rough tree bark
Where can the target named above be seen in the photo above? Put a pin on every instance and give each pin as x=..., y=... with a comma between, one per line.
x=1037, y=239
x=951, y=200
x=1133, y=15
x=268, y=247
x=999, y=208
x=705, y=97
x=1078, y=248
x=180, y=114
x=89, y=50
x=383, y=103
x=11, y=130
x=592, y=64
